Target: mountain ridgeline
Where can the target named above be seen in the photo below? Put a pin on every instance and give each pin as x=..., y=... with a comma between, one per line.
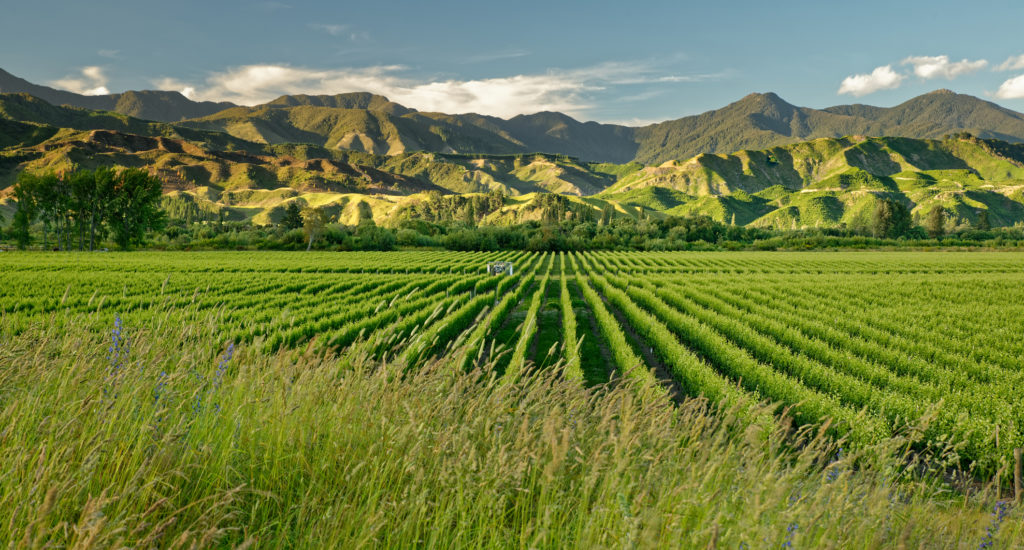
x=372, y=123
x=159, y=105
x=758, y=162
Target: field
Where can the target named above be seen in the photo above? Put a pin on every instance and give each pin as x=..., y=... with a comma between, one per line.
x=196, y=388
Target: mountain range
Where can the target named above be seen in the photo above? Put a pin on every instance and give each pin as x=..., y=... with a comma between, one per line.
x=759, y=161
x=372, y=123
x=163, y=106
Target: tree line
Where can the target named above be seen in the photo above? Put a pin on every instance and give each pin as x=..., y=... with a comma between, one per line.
x=891, y=220
x=312, y=229
x=83, y=207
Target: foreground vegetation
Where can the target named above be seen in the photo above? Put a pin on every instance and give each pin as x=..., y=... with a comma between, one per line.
x=161, y=435
x=590, y=400
x=864, y=339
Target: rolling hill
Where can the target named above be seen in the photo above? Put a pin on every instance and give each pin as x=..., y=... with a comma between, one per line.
x=837, y=181
x=246, y=180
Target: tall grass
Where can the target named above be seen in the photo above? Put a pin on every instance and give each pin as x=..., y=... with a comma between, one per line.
x=179, y=442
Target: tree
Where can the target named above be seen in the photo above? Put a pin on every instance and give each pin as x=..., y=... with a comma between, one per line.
x=371, y=237
x=983, y=223
x=105, y=189
x=80, y=186
x=364, y=212
x=91, y=196
x=314, y=220
x=890, y=220
x=19, y=227
x=468, y=215
x=134, y=206
x=43, y=196
x=935, y=223
x=26, y=195
x=495, y=200
x=51, y=205
x=85, y=202
x=292, y=216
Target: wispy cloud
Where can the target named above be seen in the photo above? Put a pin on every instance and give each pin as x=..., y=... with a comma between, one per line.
x=345, y=31
x=495, y=56
x=882, y=78
x=569, y=91
x=642, y=96
x=111, y=54
x=1012, y=63
x=634, y=122
x=90, y=81
x=333, y=30
x=929, y=67
x=626, y=73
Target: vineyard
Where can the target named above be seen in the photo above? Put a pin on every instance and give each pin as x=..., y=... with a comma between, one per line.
x=870, y=341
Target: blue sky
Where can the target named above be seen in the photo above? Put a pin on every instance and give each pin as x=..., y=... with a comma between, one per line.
x=628, y=62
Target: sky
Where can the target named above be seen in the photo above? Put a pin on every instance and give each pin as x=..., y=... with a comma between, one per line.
x=624, y=62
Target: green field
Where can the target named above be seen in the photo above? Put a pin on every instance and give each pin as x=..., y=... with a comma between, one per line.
x=408, y=399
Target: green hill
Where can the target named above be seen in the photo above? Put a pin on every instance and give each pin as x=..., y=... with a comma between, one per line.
x=836, y=181
x=257, y=181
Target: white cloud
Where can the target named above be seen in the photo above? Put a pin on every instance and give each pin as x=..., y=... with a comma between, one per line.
x=929, y=67
x=925, y=67
x=91, y=82
x=496, y=96
x=882, y=78
x=1012, y=63
x=112, y=54
x=554, y=90
x=175, y=85
x=1012, y=88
